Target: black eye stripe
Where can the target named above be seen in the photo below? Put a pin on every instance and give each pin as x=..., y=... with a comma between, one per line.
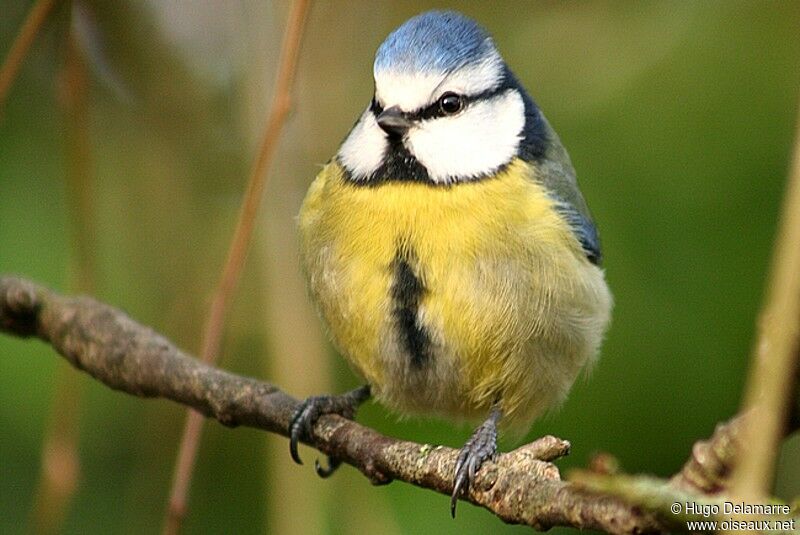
x=433, y=110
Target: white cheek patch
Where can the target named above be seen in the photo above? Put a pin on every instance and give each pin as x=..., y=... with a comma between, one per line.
x=414, y=91
x=363, y=150
x=485, y=136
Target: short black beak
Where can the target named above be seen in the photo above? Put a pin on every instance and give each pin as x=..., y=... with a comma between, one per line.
x=393, y=122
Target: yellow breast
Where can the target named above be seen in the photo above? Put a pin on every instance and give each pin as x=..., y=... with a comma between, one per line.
x=505, y=306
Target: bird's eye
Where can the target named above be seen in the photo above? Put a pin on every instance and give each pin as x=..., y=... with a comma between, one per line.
x=450, y=103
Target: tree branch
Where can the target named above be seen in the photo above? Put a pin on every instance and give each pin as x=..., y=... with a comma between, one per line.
x=709, y=466
x=522, y=486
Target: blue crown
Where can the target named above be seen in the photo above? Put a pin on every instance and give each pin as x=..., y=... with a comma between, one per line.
x=435, y=41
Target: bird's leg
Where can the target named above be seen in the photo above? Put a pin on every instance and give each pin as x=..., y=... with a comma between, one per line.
x=482, y=445
x=311, y=409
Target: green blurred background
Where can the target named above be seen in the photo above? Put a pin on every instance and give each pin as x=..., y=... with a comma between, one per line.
x=679, y=117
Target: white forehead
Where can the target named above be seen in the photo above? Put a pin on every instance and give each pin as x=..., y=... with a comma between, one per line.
x=414, y=90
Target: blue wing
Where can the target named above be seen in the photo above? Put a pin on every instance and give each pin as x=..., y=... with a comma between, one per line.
x=543, y=150
x=584, y=230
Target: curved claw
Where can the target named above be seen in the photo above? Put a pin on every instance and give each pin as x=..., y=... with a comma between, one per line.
x=293, y=441
x=481, y=446
x=300, y=424
x=293, y=449
x=459, y=487
x=303, y=420
x=333, y=464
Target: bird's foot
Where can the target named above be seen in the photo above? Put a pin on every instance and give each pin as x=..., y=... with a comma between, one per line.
x=311, y=409
x=480, y=447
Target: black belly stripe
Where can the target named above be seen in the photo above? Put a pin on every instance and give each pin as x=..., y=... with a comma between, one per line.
x=407, y=291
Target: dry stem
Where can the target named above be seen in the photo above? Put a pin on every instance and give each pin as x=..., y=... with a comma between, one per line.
x=212, y=330
x=22, y=43
x=770, y=388
x=60, y=468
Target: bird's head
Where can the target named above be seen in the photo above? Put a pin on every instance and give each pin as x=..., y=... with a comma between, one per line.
x=446, y=108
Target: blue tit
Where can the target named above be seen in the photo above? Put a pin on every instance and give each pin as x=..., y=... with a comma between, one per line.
x=448, y=248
